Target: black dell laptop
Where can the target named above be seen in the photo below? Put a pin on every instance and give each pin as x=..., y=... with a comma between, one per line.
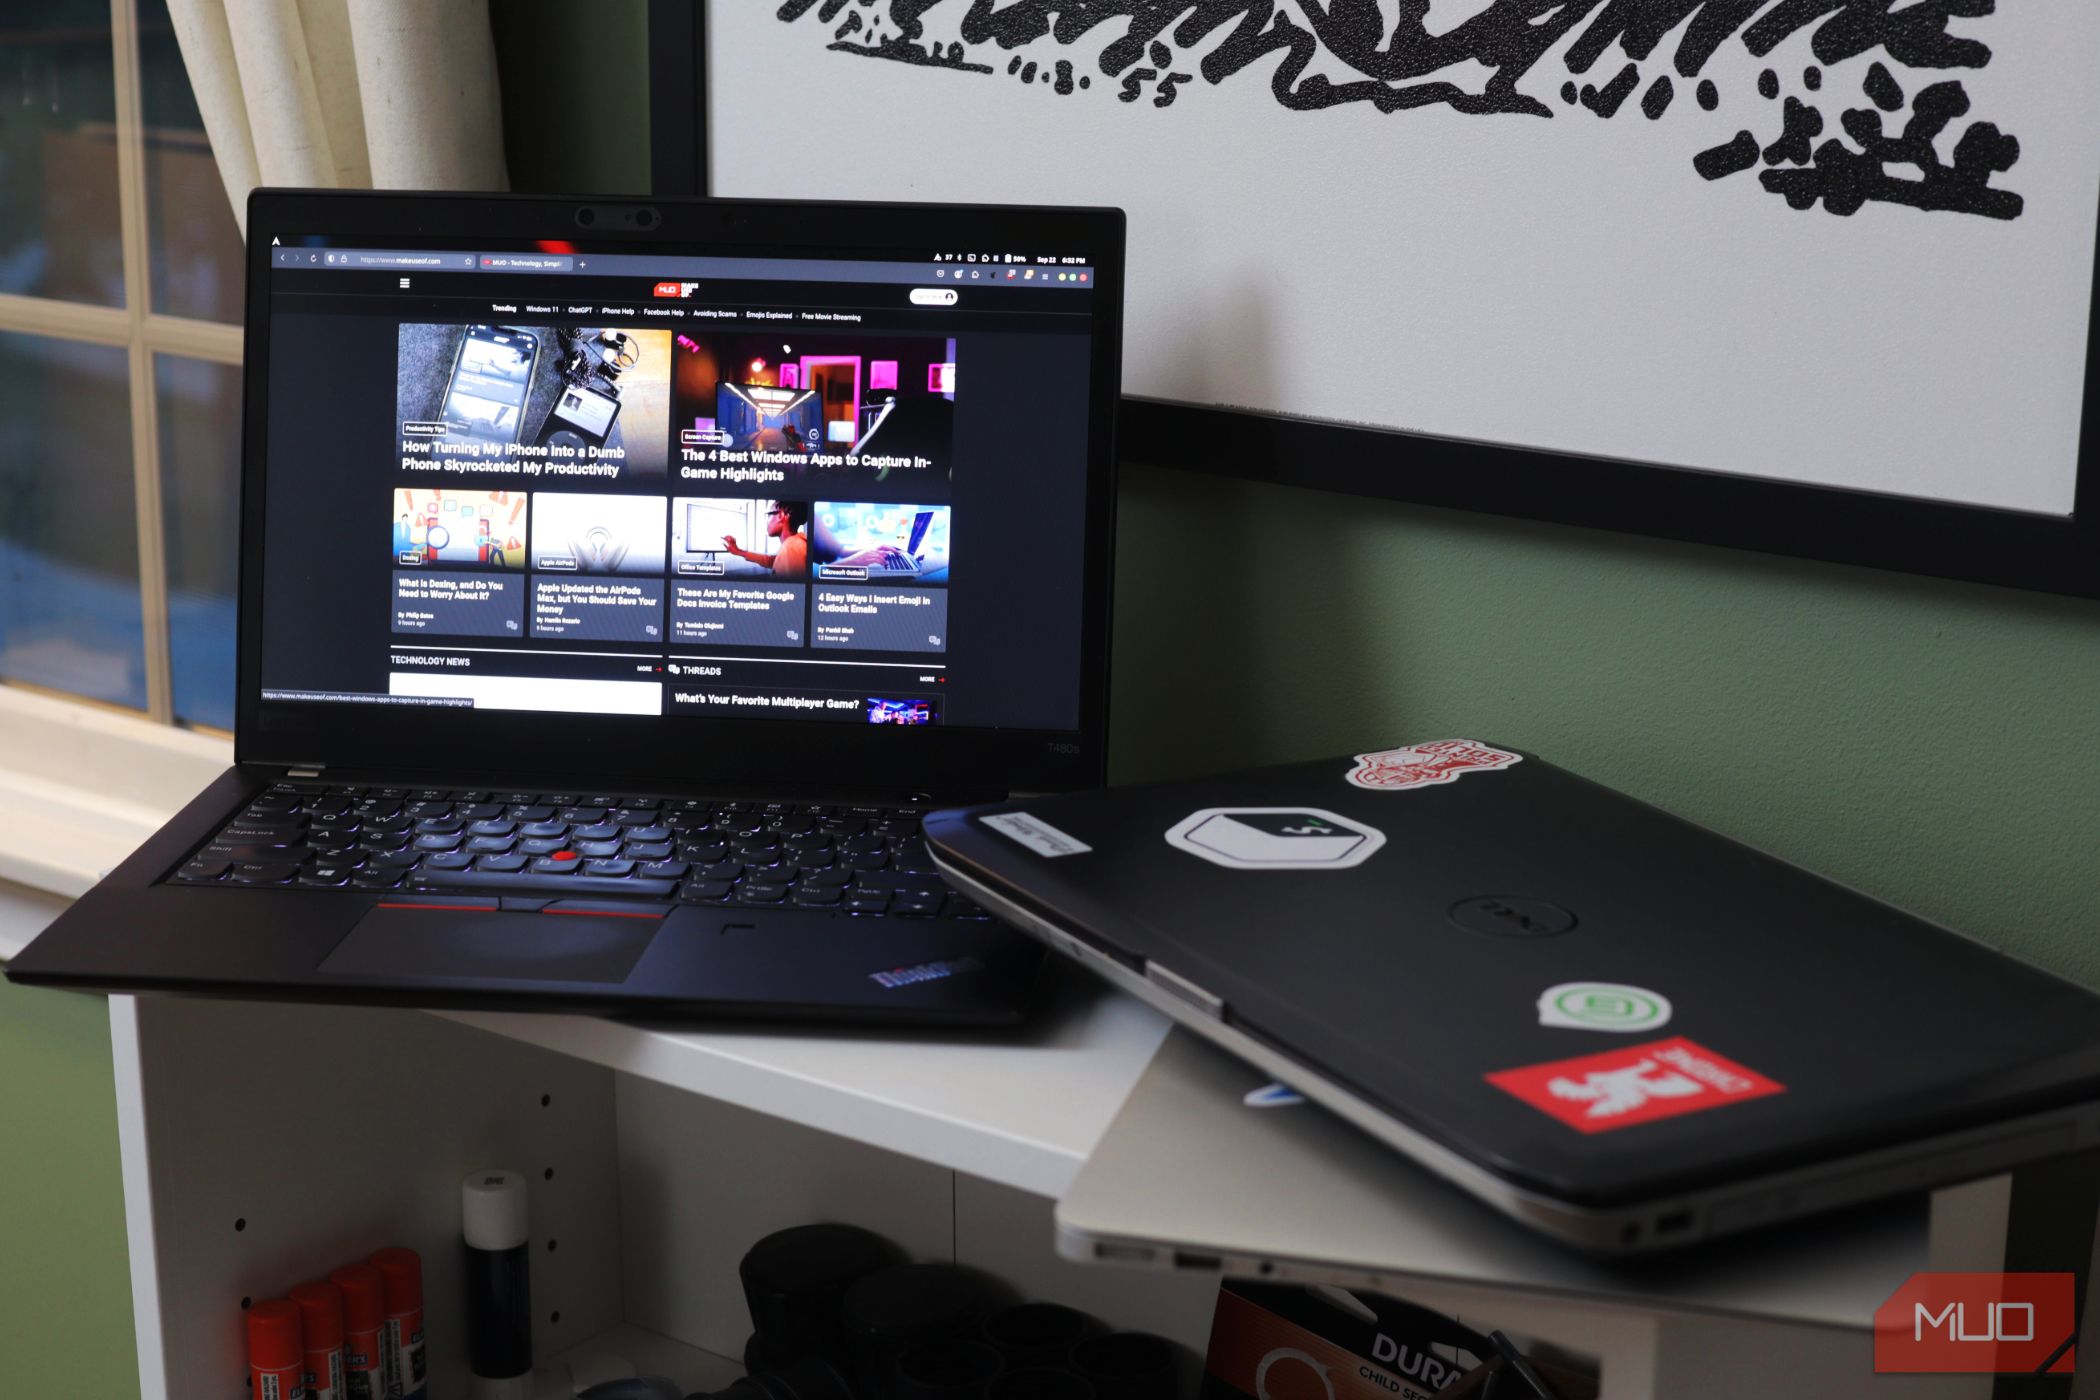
x=620, y=582
x=1612, y=1024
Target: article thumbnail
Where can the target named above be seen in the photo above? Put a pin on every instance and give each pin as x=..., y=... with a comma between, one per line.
x=567, y=400
x=910, y=710
x=876, y=406
x=877, y=542
x=459, y=527
x=597, y=534
x=738, y=538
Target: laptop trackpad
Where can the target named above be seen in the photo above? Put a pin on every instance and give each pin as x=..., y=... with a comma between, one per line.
x=405, y=941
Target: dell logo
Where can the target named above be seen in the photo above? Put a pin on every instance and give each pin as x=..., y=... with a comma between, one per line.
x=1511, y=916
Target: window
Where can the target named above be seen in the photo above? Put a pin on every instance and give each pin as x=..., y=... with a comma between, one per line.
x=120, y=298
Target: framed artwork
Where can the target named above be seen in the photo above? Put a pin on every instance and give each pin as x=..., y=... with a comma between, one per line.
x=1808, y=276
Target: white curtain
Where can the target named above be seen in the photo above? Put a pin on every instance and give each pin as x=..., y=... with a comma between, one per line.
x=385, y=94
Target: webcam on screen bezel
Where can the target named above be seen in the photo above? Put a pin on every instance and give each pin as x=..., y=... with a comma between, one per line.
x=631, y=218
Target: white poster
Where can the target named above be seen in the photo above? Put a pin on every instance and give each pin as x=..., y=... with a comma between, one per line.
x=1845, y=242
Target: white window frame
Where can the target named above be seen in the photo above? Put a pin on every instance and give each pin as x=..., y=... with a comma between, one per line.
x=82, y=783
x=143, y=334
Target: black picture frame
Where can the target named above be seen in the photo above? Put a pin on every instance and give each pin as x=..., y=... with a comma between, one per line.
x=1977, y=544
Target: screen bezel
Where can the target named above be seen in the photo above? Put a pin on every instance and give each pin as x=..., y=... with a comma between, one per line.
x=667, y=751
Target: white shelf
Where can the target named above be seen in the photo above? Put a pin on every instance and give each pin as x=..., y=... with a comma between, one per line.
x=1024, y=1110
x=623, y=1351
x=24, y=913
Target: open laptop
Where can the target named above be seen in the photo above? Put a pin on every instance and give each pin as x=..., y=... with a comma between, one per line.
x=1614, y=1025
x=506, y=738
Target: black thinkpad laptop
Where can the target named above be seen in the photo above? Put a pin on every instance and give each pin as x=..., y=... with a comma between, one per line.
x=619, y=584
x=1609, y=1023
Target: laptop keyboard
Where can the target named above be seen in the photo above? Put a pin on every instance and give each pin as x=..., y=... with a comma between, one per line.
x=862, y=860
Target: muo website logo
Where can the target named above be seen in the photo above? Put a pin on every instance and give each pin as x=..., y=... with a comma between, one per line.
x=1948, y=1323
x=674, y=289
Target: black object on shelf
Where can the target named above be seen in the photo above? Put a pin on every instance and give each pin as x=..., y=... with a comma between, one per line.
x=1040, y=1383
x=892, y=1310
x=1037, y=1335
x=806, y=1379
x=950, y=1369
x=794, y=1282
x=1128, y=1365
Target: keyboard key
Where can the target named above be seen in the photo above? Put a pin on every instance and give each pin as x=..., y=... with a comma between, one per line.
x=438, y=841
x=540, y=831
x=480, y=811
x=491, y=845
x=542, y=845
x=704, y=852
x=257, y=873
x=835, y=879
x=440, y=826
x=704, y=891
x=923, y=905
x=431, y=795
x=722, y=870
x=758, y=852
x=202, y=869
x=648, y=850
x=285, y=855
x=561, y=863
x=530, y=883
x=611, y=868
x=492, y=828
x=598, y=831
x=875, y=861
x=382, y=841
x=818, y=896
x=648, y=833
x=629, y=818
x=375, y=880
x=448, y=860
x=512, y=862
x=418, y=811
x=324, y=877
x=596, y=850
x=753, y=892
x=665, y=869
x=394, y=860
x=875, y=903
x=529, y=812
x=583, y=816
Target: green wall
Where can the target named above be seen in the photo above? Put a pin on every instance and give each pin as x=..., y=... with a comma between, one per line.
x=65, y=1283
x=1935, y=744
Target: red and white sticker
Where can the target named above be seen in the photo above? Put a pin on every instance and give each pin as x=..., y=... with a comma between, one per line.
x=1426, y=765
x=1639, y=1084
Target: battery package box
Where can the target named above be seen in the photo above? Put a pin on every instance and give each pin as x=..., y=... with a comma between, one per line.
x=1281, y=1342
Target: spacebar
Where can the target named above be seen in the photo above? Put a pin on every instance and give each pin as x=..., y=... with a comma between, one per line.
x=492, y=882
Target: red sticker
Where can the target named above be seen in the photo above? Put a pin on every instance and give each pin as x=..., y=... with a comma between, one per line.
x=1425, y=765
x=1639, y=1084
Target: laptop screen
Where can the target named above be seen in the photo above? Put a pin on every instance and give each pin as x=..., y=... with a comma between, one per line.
x=841, y=487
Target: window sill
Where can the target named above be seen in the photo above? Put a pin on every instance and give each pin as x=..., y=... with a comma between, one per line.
x=81, y=787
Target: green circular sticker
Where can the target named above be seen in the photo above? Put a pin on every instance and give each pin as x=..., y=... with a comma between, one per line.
x=1603, y=1006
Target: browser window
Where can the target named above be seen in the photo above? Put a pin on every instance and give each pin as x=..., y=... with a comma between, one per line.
x=694, y=483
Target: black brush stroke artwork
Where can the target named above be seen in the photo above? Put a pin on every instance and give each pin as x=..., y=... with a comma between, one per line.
x=1150, y=50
